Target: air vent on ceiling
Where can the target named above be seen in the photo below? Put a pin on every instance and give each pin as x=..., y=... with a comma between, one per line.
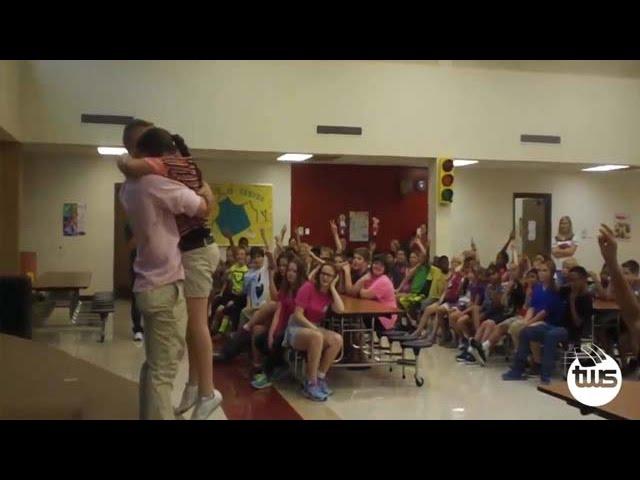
x=324, y=158
x=539, y=139
x=105, y=119
x=335, y=130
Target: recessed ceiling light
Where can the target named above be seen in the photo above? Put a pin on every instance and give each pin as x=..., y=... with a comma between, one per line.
x=294, y=157
x=463, y=163
x=605, y=168
x=112, y=150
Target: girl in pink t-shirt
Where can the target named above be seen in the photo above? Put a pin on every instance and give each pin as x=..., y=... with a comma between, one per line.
x=305, y=334
x=376, y=285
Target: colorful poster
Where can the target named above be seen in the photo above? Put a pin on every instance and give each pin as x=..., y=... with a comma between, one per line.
x=358, y=226
x=74, y=219
x=242, y=210
x=622, y=226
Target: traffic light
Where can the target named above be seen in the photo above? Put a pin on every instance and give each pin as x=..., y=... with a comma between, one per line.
x=445, y=180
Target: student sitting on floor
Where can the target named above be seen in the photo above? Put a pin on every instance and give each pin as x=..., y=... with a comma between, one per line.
x=492, y=330
x=233, y=300
x=267, y=350
x=304, y=333
x=544, y=324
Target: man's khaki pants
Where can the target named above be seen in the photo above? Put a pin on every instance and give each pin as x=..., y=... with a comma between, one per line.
x=165, y=325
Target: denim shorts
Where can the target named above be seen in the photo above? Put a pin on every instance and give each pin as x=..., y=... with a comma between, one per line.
x=291, y=332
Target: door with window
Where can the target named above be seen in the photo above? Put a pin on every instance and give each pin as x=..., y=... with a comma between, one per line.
x=532, y=222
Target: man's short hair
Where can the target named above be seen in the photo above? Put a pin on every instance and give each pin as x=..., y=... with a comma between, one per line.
x=581, y=271
x=256, y=252
x=129, y=128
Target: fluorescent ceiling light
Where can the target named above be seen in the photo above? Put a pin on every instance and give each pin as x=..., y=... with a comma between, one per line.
x=463, y=163
x=605, y=168
x=112, y=150
x=294, y=157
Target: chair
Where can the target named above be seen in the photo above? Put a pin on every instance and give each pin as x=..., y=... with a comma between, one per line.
x=16, y=306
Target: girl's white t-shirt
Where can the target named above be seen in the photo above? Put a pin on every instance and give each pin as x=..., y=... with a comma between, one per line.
x=562, y=244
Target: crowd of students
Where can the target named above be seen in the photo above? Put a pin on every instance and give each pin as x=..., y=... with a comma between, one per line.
x=267, y=299
x=460, y=304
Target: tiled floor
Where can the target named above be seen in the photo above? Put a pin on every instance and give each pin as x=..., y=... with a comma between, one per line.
x=451, y=390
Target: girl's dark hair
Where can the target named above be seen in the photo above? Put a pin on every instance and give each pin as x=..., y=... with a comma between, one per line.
x=181, y=146
x=278, y=278
x=157, y=142
x=382, y=258
x=502, y=259
x=326, y=264
x=301, y=276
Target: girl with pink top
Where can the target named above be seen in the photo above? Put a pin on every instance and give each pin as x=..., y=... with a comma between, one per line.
x=305, y=334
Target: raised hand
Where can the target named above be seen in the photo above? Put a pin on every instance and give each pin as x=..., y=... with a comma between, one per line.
x=608, y=245
x=512, y=235
x=333, y=226
x=334, y=282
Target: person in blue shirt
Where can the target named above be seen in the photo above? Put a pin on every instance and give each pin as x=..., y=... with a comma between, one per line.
x=545, y=324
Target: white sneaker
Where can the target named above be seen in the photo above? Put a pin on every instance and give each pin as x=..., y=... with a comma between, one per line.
x=138, y=337
x=206, y=406
x=189, y=398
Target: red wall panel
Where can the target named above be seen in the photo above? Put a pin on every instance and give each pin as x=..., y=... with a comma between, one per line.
x=323, y=191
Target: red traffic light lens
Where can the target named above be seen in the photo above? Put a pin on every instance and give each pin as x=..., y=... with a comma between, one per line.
x=447, y=165
x=447, y=180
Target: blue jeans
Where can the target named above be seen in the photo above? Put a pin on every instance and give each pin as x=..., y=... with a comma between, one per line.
x=549, y=336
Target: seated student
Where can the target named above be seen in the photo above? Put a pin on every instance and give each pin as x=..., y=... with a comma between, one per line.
x=359, y=265
x=578, y=303
x=260, y=317
x=425, y=279
x=562, y=276
x=544, y=322
x=628, y=345
x=376, y=285
x=267, y=340
x=403, y=266
x=625, y=296
x=492, y=307
x=399, y=266
x=256, y=283
x=303, y=332
x=600, y=283
x=471, y=289
x=515, y=324
x=492, y=330
x=233, y=300
x=436, y=279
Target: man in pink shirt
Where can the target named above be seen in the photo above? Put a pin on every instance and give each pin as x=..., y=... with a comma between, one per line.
x=151, y=203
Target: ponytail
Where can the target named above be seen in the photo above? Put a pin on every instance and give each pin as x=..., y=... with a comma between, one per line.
x=181, y=145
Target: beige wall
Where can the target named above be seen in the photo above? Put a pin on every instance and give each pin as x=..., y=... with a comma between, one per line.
x=50, y=181
x=483, y=207
x=10, y=98
x=420, y=109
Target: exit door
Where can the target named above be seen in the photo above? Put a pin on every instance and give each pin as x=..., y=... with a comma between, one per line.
x=532, y=221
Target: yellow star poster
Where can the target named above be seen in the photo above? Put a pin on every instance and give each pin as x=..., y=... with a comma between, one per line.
x=242, y=210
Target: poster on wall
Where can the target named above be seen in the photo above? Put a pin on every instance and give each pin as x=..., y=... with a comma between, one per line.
x=622, y=226
x=74, y=219
x=358, y=226
x=242, y=210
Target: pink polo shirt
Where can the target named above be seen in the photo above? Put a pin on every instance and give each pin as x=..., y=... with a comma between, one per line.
x=151, y=203
x=382, y=288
